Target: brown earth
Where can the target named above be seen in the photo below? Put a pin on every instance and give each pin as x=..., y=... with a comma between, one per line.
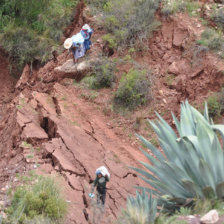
x=75, y=131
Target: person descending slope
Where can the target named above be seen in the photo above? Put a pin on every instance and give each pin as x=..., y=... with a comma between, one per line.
x=102, y=177
x=75, y=44
x=87, y=32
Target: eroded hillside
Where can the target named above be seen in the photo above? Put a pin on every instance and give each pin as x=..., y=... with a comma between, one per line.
x=74, y=130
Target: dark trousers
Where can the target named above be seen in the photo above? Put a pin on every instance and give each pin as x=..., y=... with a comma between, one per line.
x=101, y=197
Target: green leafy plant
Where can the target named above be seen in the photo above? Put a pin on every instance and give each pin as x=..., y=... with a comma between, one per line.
x=40, y=219
x=110, y=40
x=39, y=199
x=218, y=17
x=174, y=6
x=139, y=210
x=213, y=40
x=192, y=164
x=133, y=89
x=127, y=22
x=103, y=75
x=214, y=106
x=31, y=30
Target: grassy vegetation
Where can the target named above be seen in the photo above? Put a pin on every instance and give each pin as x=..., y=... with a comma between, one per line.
x=103, y=75
x=216, y=104
x=214, y=40
x=133, y=89
x=38, y=199
x=139, y=210
x=173, y=6
x=218, y=17
x=30, y=30
x=127, y=22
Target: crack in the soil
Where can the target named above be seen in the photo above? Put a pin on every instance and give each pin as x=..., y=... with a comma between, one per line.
x=57, y=107
x=93, y=131
x=91, y=134
x=112, y=211
x=81, y=165
x=69, y=183
x=113, y=199
x=85, y=203
x=129, y=173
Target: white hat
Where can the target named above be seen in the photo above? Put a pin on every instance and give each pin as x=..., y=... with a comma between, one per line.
x=86, y=27
x=68, y=43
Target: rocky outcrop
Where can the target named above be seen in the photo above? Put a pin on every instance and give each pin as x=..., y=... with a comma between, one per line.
x=71, y=70
x=211, y=217
x=74, y=152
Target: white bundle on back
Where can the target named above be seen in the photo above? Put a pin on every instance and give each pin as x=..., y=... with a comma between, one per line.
x=104, y=171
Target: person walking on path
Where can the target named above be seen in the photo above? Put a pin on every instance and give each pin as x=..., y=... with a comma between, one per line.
x=75, y=44
x=87, y=32
x=100, y=183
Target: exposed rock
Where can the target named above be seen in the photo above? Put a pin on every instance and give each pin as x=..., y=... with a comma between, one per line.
x=210, y=218
x=179, y=37
x=71, y=70
x=32, y=130
x=173, y=69
x=24, y=77
x=46, y=101
x=22, y=119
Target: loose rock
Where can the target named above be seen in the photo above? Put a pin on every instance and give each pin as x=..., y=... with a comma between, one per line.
x=210, y=218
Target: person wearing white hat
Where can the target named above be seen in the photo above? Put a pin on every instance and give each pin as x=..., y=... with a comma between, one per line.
x=68, y=43
x=87, y=32
x=76, y=46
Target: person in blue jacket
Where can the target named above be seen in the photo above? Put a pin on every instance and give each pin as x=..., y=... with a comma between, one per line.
x=75, y=44
x=87, y=32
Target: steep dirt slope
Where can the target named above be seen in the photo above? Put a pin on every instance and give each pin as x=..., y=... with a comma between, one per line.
x=7, y=83
x=51, y=130
x=70, y=137
x=72, y=141
x=183, y=70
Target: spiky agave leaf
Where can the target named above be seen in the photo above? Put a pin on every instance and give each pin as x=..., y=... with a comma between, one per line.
x=140, y=209
x=193, y=162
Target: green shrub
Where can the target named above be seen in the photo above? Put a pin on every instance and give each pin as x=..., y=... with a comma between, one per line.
x=174, y=6
x=23, y=46
x=40, y=219
x=191, y=165
x=110, y=41
x=133, y=89
x=38, y=25
x=98, y=4
x=139, y=210
x=214, y=106
x=40, y=199
x=213, y=40
x=218, y=17
x=129, y=21
x=103, y=74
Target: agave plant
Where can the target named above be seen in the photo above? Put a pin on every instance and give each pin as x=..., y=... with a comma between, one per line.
x=140, y=210
x=191, y=165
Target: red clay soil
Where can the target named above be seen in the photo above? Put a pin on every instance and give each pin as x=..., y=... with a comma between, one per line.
x=7, y=83
x=72, y=141
x=75, y=136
